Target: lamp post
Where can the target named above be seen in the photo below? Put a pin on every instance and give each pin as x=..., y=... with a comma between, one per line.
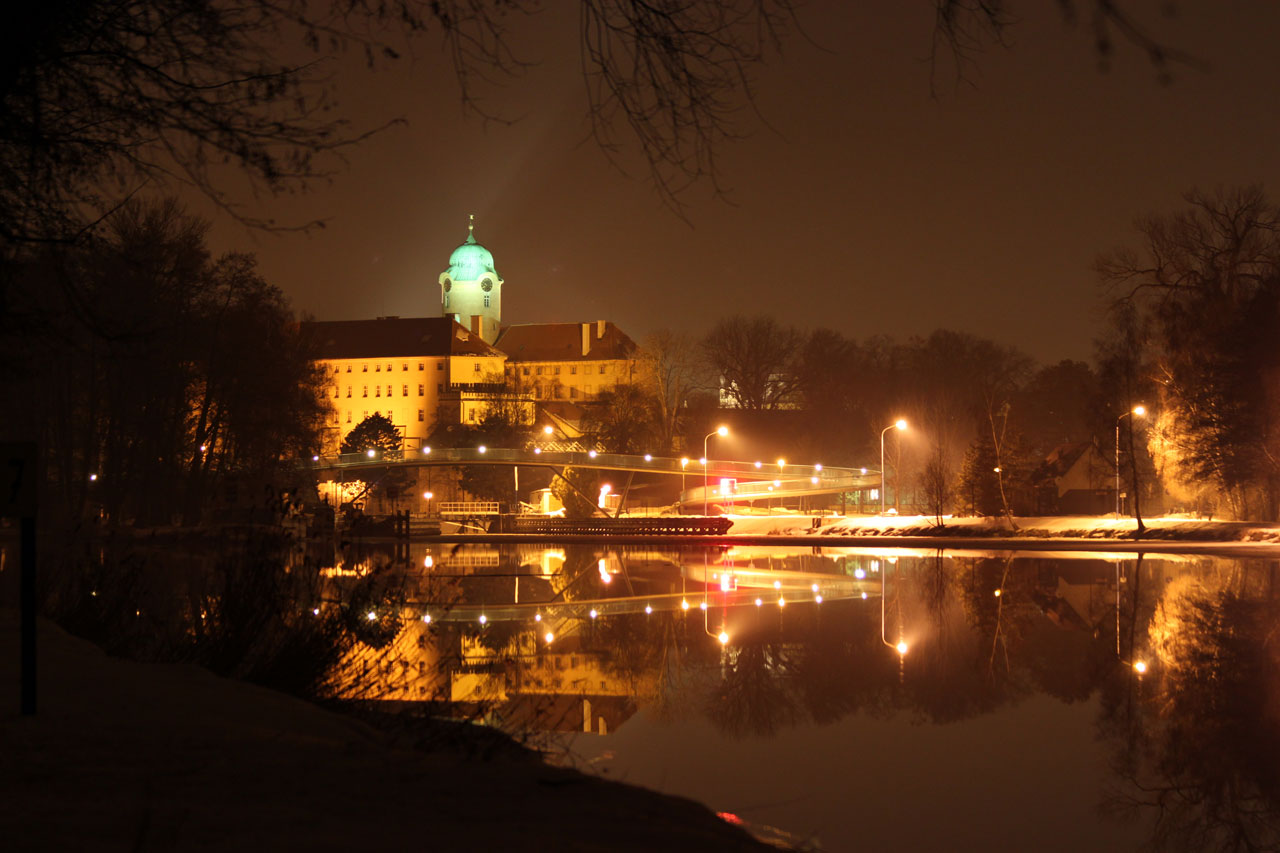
x=720, y=431
x=899, y=424
x=901, y=646
x=1136, y=410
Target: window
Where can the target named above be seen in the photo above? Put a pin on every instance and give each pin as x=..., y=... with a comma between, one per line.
x=420, y=366
x=337, y=369
x=348, y=416
x=336, y=393
x=446, y=301
x=573, y=392
x=422, y=416
x=404, y=366
x=439, y=388
x=557, y=370
x=405, y=392
x=388, y=368
x=573, y=369
x=472, y=415
x=348, y=368
x=439, y=365
x=586, y=389
x=486, y=300
x=524, y=371
x=560, y=392
x=348, y=390
x=389, y=391
x=539, y=370
x=364, y=368
x=422, y=390
x=377, y=368
x=477, y=367
x=603, y=369
x=366, y=391
x=377, y=390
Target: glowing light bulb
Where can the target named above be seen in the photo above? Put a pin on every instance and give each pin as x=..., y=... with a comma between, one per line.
x=593, y=614
x=818, y=599
x=483, y=619
x=997, y=593
x=648, y=608
x=724, y=638
x=648, y=457
x=315, y=611
x=777, y=584
x=1140, y=667
x=703, y=606
x=426, y=617
x=864, y=596
x=859, y=574
x=782, y=602
x=537, y=617
x=371, y=615
x=684, y=604
x=759, y=601
x=549, y=637
x=901, y=647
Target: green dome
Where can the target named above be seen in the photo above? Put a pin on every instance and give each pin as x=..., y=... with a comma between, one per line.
x=470, y=261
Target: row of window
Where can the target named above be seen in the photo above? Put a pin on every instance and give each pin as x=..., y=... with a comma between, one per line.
x=377, y=368
x=422, y=415
x=554, y=370
x=377, y=391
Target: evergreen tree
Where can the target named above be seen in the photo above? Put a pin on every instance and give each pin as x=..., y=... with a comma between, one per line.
x=375, y=432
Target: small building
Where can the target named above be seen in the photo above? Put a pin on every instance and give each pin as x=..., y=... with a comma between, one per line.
x=1076, y=479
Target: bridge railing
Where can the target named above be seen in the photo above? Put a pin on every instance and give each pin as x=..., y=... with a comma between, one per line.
x=758, y=474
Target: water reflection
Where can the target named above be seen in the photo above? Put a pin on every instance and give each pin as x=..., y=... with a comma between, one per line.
x=760, y=641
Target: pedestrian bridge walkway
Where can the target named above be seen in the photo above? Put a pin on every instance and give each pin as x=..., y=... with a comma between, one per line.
x=726, y=480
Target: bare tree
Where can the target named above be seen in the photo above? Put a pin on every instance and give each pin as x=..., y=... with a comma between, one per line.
x=670, y=371
x=754, y=359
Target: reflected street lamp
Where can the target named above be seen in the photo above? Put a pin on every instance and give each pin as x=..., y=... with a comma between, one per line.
x=720, y=431
x=1139, y=411
x=899, y=424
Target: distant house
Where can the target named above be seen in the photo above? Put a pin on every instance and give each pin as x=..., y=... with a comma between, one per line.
x=1076, y=479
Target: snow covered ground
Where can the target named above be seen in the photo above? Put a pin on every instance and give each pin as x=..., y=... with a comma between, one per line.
x=1167, y=529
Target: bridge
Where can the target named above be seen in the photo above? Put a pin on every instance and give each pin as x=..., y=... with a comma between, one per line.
x=747, y=482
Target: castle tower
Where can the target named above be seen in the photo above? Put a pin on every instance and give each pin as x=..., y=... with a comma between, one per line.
x=471, y=289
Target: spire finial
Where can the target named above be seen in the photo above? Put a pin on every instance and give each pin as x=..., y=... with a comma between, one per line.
x=471, y=224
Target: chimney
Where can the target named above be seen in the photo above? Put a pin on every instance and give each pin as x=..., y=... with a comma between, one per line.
x=599, y=329
x=586, y=338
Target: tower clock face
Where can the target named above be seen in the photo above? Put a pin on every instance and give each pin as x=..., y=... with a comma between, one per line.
x=448, y=285
x=486, y=285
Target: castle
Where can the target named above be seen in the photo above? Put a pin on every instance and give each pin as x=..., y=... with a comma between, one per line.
x=453, y=368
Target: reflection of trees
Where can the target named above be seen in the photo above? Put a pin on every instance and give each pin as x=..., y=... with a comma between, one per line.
x=756, y=691
x=1197, y=741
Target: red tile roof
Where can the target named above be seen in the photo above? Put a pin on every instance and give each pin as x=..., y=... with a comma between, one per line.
x=563, y=342
x=394, y=337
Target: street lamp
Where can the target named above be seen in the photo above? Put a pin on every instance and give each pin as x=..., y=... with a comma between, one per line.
x=720, y=431
x=899, y=424
x=1138, y=411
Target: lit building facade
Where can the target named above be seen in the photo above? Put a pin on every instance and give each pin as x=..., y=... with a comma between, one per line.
x=568, y=361
x=413, y=371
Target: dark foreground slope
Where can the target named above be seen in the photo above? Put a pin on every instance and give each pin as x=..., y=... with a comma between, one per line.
x=130, y=756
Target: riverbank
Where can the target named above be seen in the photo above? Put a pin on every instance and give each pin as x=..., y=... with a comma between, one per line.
x=132, y=756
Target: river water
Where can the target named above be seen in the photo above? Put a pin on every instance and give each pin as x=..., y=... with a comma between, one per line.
x=846, y=698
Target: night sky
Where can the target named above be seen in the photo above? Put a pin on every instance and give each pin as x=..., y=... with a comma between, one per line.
x=865, y=205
